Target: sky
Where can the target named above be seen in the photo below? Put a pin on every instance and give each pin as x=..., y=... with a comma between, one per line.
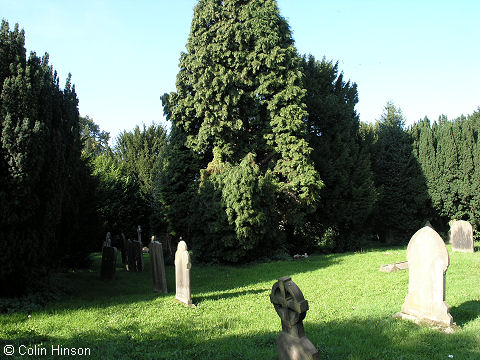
x=123, y=55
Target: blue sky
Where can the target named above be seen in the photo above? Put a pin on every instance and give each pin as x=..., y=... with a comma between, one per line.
x=422, y=55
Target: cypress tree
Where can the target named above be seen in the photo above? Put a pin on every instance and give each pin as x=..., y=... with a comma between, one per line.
x=239, y=96
x=348, y=197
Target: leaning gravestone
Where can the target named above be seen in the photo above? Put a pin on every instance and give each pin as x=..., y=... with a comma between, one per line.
x=461, y=236
x=158, y=266
x=137, y=256
x=428, y=262
x=109, y=262
x=291, y=306
x=182, y=274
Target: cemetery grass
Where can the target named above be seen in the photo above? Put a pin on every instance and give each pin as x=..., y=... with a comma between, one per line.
x=350, y=317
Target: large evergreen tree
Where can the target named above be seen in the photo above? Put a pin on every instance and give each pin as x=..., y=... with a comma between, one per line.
x=348, y=197
x=239, y=103
x=403, y=198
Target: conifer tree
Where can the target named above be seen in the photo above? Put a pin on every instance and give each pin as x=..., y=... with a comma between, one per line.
x=239, y=96
x=333, y=125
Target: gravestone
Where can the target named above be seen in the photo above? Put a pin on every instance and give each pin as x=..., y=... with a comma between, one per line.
x=108, y=240
x=137, y=256
x=124, y=250
x=109, y=263
x=291, y=306
x=428, y=262
x=429, y=224
x=394, y=267
x=139, y=233
x=182, y=274
x=158, y=266
x=461, y=236
x=130, y=256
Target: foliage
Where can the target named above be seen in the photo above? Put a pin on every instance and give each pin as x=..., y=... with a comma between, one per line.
x=403, y=204
x=40, y=168
x=449, y=154
x=95, y=142
x=126, y=175
x=239, y=96
x=349, y=195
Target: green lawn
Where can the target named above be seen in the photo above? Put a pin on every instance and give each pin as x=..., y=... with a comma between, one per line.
x=350, y=317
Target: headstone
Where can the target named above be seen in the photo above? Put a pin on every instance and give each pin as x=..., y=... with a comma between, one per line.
x=124, y=250
x=394, y=267
x=109, y=263
x=291, y=306
x=158, y=266
x=428, y=262
x=108, y=240
x=131, y=265
x=182, y=274
x=429, y=224
x=461, y=236
x=138, y=256
x=139, y=232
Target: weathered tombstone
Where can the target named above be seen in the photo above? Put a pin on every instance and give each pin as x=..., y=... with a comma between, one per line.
x=461, y=236
x=291, y=306
x=429, y=224
x=124, y=250
x=131, y=265
x=137, y=256
x=394, y=267
x=182, y=274
x=158, y=266
x=108, y=240
x=109, y=262
x=139, y=232
x=428, y=262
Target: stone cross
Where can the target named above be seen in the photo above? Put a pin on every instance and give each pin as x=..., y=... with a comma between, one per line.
x=109, y=263
x=291, y=306
x=182, y=274
x=461, y=236
x=108, y=240
x=158, y=266
x=428, y=262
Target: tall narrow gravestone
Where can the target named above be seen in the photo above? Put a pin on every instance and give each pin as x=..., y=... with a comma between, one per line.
x=158, y=266
x=131, y=265
x=124, y=250
x=109, y=263
x=137, y=256
x=461, y=236
x=182, y=274
x=428, y=262
x=108, y=240
x=291, y=306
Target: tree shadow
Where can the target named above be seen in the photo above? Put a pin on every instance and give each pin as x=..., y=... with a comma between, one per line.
x=465, y=312
x=228, y=294
x=360, y=339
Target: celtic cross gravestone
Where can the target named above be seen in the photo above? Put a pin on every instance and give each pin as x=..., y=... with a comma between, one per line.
x=291, y=306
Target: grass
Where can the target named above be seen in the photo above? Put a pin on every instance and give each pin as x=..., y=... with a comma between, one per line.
x=350, y=317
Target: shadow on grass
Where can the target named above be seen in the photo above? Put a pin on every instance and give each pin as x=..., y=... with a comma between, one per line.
x=229, y=294
x=360, y=339
x=466, y=312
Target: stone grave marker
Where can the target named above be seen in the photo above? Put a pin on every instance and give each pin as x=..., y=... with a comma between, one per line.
x=137, y=256
x=108, y=240
x=428, y=262
x=124, y=250
x=131, y=265
x=158, y=266
x=291, y=306
x=394, y=267
x=461, y=236
x=429, y=224
x=109, y=263
x=182, y=274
